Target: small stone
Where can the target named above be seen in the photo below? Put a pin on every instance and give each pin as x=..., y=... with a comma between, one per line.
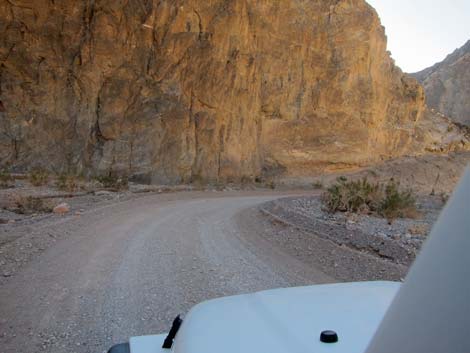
x=62, y=208
x=6, y=274
x=103, y=193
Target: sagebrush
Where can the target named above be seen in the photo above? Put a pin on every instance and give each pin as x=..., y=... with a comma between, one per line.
x=6, y=180
x=68, y=182
x=317, y=185
x=29, y=205
x=112, y=181
x=38, y=176
x=397, y=203
x=361, y=196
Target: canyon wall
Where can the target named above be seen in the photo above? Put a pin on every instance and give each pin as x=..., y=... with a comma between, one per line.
x=447, y=85
x=184, y=90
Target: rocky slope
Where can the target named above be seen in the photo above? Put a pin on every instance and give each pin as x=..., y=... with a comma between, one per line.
x=447, y=85
x=185, y=90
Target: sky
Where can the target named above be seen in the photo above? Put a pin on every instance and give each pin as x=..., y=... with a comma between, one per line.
x=423, y=32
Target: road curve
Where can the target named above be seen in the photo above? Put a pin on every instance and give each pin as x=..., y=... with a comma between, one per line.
x=128, y=269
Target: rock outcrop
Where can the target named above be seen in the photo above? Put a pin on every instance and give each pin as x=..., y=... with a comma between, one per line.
x=185, y=90
x=447, y=85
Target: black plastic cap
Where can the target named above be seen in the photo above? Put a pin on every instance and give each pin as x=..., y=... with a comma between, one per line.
x=329, y=337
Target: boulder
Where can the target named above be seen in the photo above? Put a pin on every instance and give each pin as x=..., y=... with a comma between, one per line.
x=61, y=208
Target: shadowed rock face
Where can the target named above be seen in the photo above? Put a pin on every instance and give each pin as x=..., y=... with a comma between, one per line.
x=447, y=85
x=181, y=90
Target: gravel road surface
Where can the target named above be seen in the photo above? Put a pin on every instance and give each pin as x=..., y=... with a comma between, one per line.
x=127, y=269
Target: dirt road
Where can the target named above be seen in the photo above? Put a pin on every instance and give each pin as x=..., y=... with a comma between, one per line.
x=127, y=269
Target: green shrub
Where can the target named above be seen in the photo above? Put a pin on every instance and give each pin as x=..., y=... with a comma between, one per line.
x=317, y=185
x=271, y=184
x=112, y=181
x=352, y=196
x=29, y=205
x=397, y=203
x=361, y=196
x=38, y=176
x=6, y=180
x=68, y=182
x=246, y=180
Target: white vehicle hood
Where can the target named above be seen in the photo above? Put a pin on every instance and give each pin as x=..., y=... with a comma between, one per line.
x=282, y=320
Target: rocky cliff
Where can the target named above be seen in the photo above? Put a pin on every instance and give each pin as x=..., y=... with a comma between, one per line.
x=447, y=85
x=181, y=90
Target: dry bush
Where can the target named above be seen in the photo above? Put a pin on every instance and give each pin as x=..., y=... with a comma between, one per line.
x=361, y=196
x=112, y=181
x=352, y=196
x=6, y=180
x=397, y=203
x=317, y=185
x=270, y=184
x=418, y=229
x=68, y=182
x=246, y=180
x=38, y=176
x=29, y=205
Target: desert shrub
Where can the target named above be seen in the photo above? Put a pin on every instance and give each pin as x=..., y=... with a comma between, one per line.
x=397, y=203
x=38, y=176
x=317, y=185
x=29, y=204
x=6, y=180
x=352, y=196
x=112, y=181
x=270, y=184
x=68, y=182
x=418, y=229
x=361, y=196
x=265, y=182
x=444, y=197
x=246, y=180
x=61, y=181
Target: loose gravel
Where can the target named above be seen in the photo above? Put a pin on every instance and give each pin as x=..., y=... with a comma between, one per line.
x=398, y=241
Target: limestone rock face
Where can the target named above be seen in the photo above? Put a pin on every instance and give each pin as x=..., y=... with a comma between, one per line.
x=181, y=90
x=447, y=85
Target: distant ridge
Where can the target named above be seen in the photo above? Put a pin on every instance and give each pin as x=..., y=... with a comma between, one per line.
x=447, y=85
